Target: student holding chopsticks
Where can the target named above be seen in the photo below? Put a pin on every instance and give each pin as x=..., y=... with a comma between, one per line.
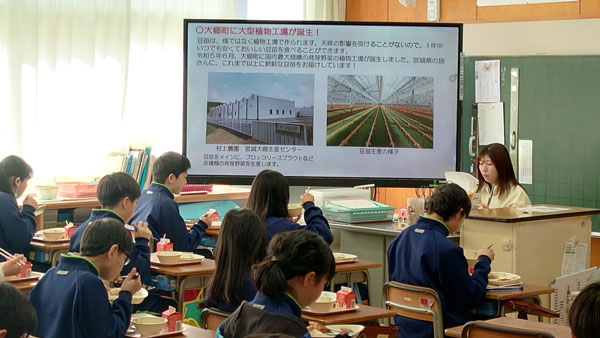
x=12, y=266
x=16, y=227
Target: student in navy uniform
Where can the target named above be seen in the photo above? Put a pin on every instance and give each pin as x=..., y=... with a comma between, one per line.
x=241, y=244
x=158, y=207
x=71, y=300
x=269, y=198
x=298, y=265
x=118, y=194
x=422, y=255
x=16, y=227
x=17, y=317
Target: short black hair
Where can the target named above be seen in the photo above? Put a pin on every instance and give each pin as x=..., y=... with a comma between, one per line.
x=103, y=233
x=291, y=254
x=584, y=315
x=13, y=166
x=167, y=164
x=447, y=200
x=114, y=187
x=18, y=315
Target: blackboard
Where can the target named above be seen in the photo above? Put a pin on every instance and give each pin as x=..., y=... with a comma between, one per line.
x=559, y=109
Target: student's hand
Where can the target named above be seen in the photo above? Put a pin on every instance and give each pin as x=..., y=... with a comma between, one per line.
x=143, y=231
x=12, y=267
x=132, y=283
x=29, y=200
x=207, y=218
x=308, y=197
x=486, y=252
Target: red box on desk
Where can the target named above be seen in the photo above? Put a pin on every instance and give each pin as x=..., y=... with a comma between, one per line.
x=77, y=189
x=164, y=246
x=172, y=318
x=345, y=298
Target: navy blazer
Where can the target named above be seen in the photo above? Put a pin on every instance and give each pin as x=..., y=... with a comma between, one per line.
x=16, y=227
x=313, y=216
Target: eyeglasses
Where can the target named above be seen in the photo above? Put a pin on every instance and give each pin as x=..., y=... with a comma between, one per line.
x=128, y=259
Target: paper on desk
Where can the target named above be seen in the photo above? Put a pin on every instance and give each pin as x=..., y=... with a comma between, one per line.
x=487, y=81
x=358, y=203
x=574, y=256
x=542, y=208
x=525, y=161
x=491, y=123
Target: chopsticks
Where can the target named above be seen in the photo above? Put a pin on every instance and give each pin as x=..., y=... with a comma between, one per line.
x=8, y=255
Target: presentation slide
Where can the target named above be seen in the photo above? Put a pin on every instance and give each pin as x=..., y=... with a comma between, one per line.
x=374, y=101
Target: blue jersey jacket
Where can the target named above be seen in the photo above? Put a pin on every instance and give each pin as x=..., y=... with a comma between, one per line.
x=71, y=302
x=140, y=253
x=248, y=293
x=16, y=227
x=423, y=255
x=315, y=221
x=158, y=207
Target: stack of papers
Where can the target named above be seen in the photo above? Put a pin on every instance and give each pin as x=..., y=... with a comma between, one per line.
x=507, y=287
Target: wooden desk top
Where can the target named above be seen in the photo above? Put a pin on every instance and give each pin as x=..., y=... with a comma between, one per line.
x=26, y=285
x=559, y=331
x=205, y=268
x=47, y=246
x=513, y=215
x=218, y=193
x=192, y=331
x=529, y=290
x=361, y=264
x=364, y=314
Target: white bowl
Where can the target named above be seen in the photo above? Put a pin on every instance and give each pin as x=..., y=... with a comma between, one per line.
x=324, y=303
x=294, y=209
x=149, y=326
x=471, y=256
x=137, y=298
x=168, y=257
x=53, y=234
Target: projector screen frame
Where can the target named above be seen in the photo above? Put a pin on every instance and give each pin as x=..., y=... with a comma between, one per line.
x=320, y=180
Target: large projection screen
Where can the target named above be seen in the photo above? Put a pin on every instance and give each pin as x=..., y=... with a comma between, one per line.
x=323, y=103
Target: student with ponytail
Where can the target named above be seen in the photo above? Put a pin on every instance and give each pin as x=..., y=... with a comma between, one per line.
x=16, y=227
x=298, y=265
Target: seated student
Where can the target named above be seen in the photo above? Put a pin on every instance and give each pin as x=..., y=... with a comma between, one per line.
x=11, y=267
x=71, y=300
x=298, y=265
x=498, y=185
x=17, y=316
x=16, y=227
x=269, y=198
x=584, y=314
x=422, y=255
x=118, y=194
x=158, y=207
x=241, y=244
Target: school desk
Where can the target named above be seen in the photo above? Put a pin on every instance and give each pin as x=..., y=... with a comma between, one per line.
x=530, y=293
x=364, y=314
x=559, y=331
x=192, y=276
x=25, y=285
x=528, y=243
x=355, y=272
x=55, y=249
x=219, y=193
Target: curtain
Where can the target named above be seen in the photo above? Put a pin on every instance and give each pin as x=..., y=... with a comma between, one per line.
x=82, y=78
x=325, y=10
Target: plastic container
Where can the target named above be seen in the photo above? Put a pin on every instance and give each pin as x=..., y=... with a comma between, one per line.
x=77, y=189
x=336, y=212
x=46, y=192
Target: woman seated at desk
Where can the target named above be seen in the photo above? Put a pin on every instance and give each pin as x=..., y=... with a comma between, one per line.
x=498, y=185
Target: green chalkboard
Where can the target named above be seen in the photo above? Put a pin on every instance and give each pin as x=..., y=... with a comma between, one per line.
x=559, y=109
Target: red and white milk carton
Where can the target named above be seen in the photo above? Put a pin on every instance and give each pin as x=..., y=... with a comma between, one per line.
x=164, y=245
x=26, y=270
x=70, y=229
x=173, y=319
x=345, y=298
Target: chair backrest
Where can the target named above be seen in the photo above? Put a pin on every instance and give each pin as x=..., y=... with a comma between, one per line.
x=416, y=302
x=211, y=318
x=479, y=329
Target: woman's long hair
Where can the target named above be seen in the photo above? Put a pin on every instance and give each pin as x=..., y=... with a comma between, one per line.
x=501, y=160
x=269, y=195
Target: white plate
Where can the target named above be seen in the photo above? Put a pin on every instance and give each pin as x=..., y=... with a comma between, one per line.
x=136, y=299
x=189, y=256
x=356, y=329
x=502, y=278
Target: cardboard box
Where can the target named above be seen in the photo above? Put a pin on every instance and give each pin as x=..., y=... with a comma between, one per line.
x=345, y=298
x=164, y=245
x=173, y=319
